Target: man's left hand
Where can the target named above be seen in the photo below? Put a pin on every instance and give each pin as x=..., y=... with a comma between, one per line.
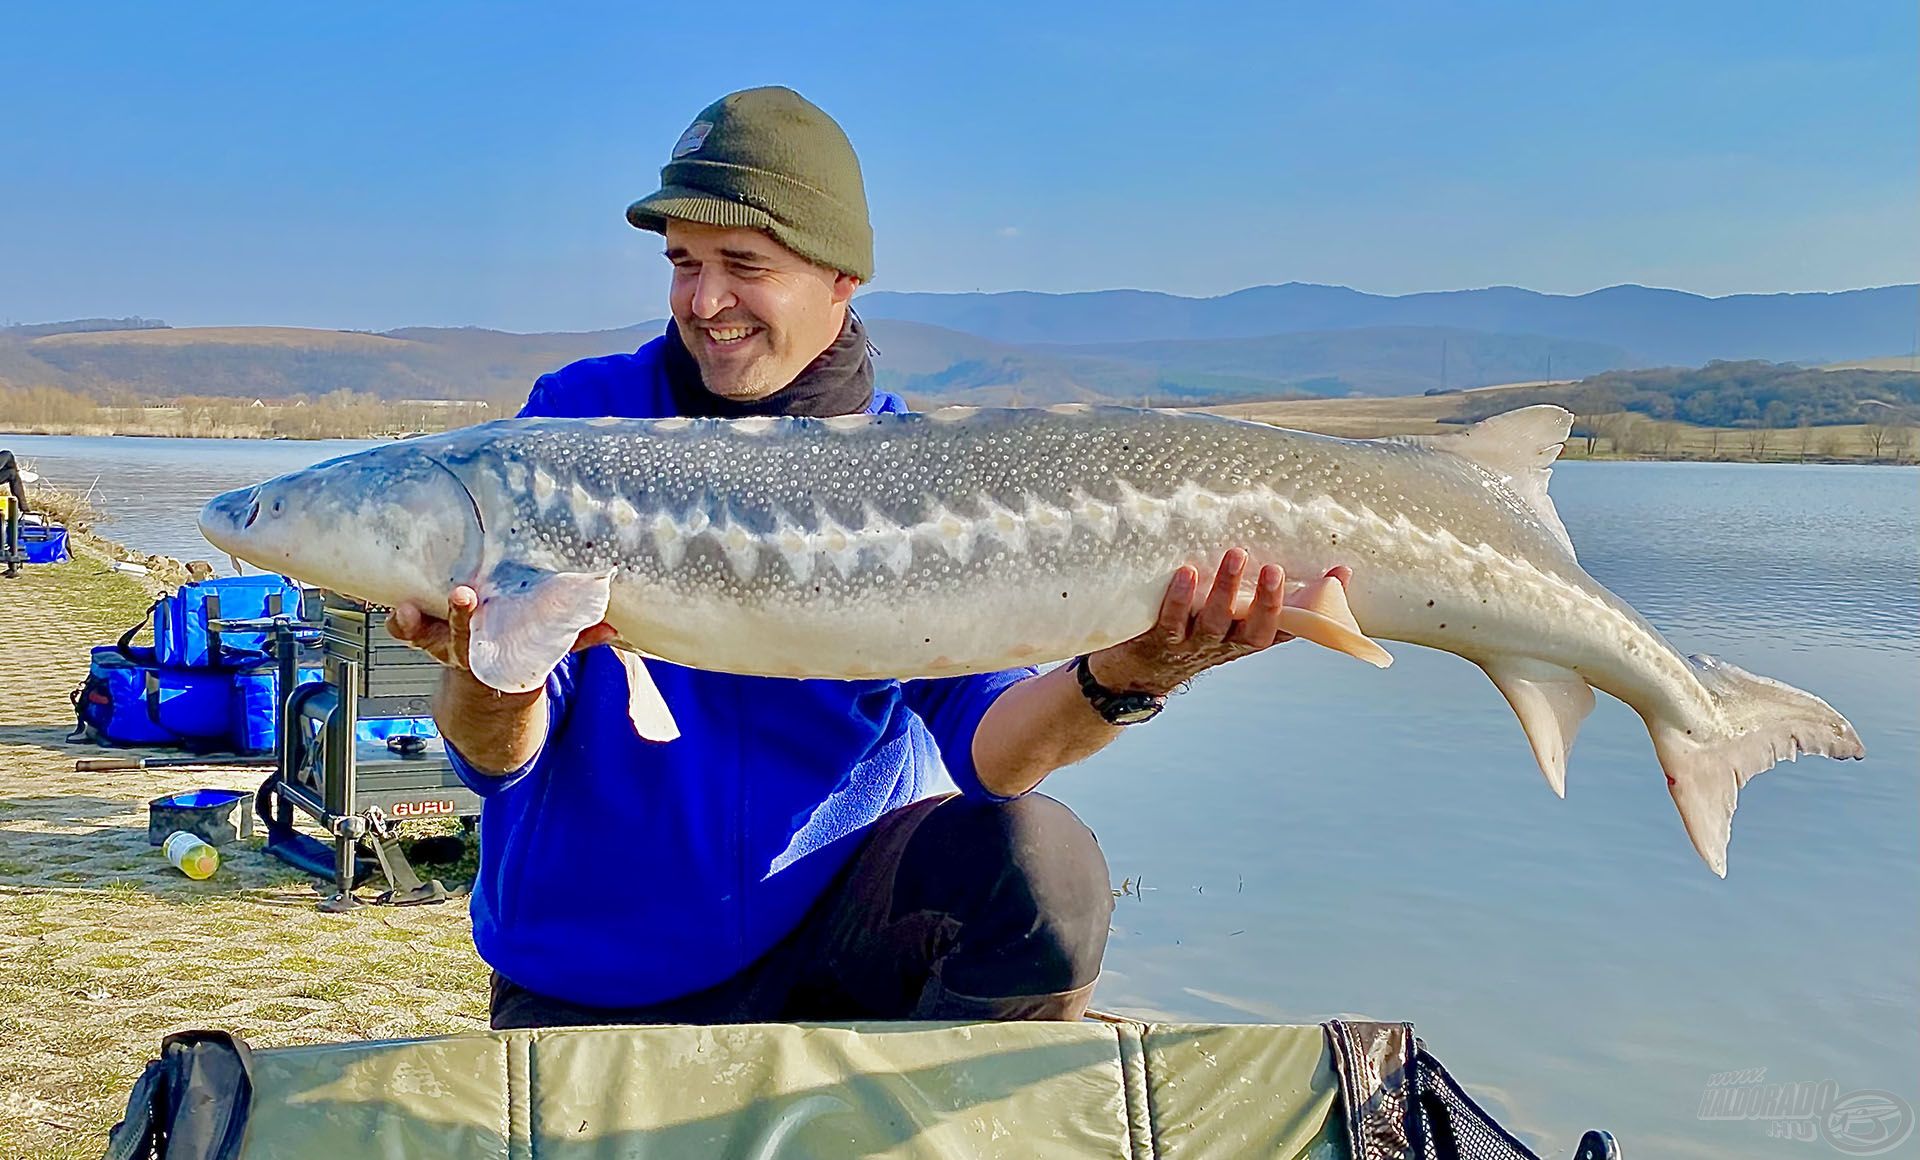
x=1192, y=634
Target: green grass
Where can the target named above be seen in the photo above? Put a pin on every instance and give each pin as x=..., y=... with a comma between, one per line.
x=325, y=990
x=111, y=600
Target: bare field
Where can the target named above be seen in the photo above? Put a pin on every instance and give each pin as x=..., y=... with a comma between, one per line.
x=1614, y=435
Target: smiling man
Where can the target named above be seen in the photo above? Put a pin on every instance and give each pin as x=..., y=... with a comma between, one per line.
x=797, y=853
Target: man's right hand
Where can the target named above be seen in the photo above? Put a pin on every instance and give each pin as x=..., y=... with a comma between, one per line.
x=496, y=732
x=446, y=640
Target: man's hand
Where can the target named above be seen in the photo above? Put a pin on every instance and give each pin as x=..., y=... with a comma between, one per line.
x=446, y=640
x=496, y=732
x=1190, y=637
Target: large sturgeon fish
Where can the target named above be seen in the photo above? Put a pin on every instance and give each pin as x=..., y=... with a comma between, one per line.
x=971, y=540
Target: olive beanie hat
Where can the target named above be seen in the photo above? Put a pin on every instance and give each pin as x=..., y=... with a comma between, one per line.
x=768, y=159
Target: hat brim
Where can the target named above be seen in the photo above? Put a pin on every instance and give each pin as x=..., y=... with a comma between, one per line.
x=678, y=203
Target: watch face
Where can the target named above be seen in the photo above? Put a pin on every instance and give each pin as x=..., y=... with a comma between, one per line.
x=1116, y=708
x=1135, y=714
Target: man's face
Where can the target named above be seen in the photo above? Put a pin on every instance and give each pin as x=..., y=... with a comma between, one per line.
x=753, y=312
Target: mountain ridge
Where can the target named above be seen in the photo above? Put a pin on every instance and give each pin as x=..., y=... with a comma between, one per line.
x=1655, y=325
x=1284, y=340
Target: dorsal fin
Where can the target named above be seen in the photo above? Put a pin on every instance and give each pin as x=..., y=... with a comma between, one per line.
x=1518, y=446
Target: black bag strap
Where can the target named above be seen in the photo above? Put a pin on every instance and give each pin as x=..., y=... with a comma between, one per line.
x=125, y=643
x=191, y=1103
x=213, y=634
x=153, y=698
x=79, y=699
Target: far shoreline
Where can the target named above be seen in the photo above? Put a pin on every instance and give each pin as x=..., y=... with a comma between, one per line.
x=1370, y=420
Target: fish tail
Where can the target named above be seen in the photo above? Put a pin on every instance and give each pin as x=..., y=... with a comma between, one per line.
x=1760, y=721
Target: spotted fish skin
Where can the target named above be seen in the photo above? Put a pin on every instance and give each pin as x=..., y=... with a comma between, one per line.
x=925, y=545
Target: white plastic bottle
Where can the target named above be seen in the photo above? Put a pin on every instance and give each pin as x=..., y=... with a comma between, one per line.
x=190, y=855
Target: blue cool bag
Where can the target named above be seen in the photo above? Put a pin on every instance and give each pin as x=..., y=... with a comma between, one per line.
x=44, y=543
x=256, y=705
x=255, y=693
x=182, y=638
x=128, y=700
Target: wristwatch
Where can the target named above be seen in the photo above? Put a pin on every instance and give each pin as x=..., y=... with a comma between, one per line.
x=1116, y=708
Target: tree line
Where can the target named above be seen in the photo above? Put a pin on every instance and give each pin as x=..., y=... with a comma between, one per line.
x=1751, y=394
x=334, y=415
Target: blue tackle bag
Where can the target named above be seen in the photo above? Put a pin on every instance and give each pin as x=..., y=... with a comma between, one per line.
x=129, y=700
x=181, y=633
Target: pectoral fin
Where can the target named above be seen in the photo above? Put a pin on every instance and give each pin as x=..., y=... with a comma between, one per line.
x=1318, y=612
x=1551, y=703
x=527, y=621
x=645, y=707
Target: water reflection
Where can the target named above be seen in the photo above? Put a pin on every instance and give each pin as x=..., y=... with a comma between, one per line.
x=1312, y=837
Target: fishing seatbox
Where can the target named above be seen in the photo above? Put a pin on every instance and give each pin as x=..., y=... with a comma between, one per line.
x=181, y=633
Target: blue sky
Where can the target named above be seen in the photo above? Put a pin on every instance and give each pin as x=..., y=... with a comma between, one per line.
x=375, y=166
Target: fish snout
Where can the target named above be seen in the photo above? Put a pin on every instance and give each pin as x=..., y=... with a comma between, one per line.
x=228, y=516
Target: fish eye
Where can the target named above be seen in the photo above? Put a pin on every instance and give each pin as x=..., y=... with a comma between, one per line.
x=276, y=507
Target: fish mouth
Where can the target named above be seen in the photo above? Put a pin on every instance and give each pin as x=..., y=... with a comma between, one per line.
x=227, y=516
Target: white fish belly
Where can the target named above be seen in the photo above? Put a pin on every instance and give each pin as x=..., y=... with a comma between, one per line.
x=991, y=624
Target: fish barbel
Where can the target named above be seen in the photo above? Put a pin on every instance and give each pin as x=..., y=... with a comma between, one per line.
x=964, y=540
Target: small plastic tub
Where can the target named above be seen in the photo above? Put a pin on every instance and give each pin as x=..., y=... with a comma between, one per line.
x=215, y=816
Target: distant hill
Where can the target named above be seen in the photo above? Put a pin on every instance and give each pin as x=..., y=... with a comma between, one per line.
x=934, y=365
x=40, y=329
x=1387, y=360
x=1656, y=327
x=1268, y=342
x=275, y=362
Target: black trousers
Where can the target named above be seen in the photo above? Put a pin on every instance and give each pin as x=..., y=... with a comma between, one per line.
x=10, y=480
x=953, y=909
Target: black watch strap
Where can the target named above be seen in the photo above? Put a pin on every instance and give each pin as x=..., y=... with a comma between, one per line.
x=1116, y=708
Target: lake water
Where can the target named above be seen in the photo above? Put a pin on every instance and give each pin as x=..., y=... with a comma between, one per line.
x=1314, y=837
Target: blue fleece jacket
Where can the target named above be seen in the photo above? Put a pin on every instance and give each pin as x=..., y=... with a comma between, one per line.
x=616, y=872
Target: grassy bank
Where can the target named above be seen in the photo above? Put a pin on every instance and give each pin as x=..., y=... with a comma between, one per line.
x=104, y=948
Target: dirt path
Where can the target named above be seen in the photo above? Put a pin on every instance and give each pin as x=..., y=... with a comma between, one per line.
x=104, y=948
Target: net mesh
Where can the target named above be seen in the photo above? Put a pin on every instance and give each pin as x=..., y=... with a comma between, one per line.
x=1450, y=1125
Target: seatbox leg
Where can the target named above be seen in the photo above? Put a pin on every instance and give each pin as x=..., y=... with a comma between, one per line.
x=407, y=889
x=346, y=832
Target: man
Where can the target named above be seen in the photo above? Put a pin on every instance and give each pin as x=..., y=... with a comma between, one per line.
x=13, y=481
x=789, y=856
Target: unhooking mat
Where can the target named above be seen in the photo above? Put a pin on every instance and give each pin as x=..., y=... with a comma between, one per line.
x=1069, y=1090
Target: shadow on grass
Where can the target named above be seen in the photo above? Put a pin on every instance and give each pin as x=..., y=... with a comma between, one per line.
x=52, y=738
x=64, y=808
